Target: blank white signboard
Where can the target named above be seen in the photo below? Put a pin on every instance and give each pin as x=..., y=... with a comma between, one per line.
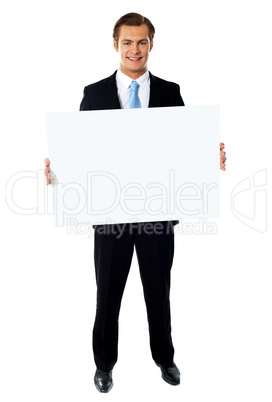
x=127, y=165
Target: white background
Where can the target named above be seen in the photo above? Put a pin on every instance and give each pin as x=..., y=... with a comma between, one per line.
x=220, y=53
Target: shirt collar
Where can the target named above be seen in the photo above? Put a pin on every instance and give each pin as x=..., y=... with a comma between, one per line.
x=126, y=80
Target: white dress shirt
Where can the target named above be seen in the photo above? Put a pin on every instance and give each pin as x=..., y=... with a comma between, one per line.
x=123, y=89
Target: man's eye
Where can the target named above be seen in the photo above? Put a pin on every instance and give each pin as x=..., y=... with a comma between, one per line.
x=142, y=43
x=126, y=43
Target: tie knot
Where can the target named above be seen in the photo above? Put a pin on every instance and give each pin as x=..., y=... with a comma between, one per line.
x=134, y=86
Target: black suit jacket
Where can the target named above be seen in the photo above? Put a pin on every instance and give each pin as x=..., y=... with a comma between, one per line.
x=102, y=95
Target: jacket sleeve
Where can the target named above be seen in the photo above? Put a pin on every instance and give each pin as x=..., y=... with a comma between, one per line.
x=85, y=103
x=179, y=99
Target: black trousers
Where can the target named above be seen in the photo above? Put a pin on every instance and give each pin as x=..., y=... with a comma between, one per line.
x=114, y=246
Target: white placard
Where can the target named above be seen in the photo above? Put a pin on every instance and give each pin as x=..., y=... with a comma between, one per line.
x=117, y=166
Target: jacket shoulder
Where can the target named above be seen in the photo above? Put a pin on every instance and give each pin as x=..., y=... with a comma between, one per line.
x=101, y=95
x=101, y=83
x=164, y=93
x=162, y=82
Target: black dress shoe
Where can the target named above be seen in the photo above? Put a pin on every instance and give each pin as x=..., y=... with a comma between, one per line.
x=103, y=380
x=170, y=374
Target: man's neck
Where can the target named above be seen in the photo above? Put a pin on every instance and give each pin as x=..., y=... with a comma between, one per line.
x=133, y=75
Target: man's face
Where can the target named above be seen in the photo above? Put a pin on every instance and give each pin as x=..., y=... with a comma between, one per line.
x=134, y=46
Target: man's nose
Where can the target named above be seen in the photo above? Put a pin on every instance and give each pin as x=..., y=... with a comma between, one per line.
x=135, y=48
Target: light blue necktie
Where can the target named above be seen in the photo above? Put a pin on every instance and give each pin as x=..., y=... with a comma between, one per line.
x=134, y=100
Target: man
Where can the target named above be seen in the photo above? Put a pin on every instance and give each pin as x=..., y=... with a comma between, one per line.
x=133, y=86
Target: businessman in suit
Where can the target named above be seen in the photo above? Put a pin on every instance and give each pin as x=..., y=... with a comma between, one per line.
x=133, y=86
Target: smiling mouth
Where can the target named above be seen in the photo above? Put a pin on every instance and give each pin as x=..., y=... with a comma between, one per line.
x=134, y=58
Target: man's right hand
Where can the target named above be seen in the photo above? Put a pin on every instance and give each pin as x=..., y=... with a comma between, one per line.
x=47, y=170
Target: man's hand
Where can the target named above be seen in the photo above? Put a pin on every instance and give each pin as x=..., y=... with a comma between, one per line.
x=47, y=170
x=222, y=156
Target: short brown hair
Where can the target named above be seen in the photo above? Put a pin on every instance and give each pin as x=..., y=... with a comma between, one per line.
x=133, y=19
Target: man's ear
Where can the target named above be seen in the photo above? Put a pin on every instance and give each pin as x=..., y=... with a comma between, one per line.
x=115, y=45
x=151, y=46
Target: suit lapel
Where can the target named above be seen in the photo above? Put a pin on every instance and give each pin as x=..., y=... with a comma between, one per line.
x=110, y=92
x=155, y=92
